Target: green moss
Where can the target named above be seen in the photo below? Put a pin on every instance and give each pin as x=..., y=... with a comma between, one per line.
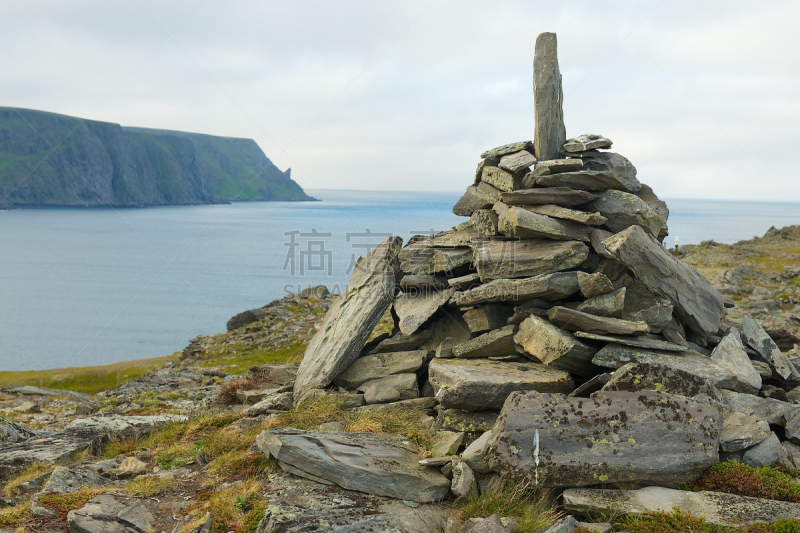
x=236, y=359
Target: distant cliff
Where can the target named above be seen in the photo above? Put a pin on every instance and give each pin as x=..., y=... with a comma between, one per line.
x=55, y=160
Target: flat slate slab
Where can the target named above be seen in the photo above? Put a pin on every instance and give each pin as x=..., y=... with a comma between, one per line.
x=572, y=320
x=696, y=302
x=548, y=99
x=414, y=308
x=547, y=286
x=525, y=224
x=591, y=219
x=635, y=342
x=616, y=355
x=760, y=341
x=589, y=180
x=351, y=319
x=561, y=196
x=380, y=365
x=367, y=462
x=612, y=437
x=492, y=343
x=523, y=259
x=482, y=384
x=555, y=347
x=716, y=507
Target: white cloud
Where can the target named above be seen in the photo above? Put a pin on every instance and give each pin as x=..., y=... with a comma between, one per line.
x=701, y=96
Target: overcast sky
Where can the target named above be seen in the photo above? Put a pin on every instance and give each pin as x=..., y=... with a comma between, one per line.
x=702, y=97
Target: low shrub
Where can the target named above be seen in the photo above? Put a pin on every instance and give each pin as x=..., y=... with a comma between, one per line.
x=733, y=477
x=227, y=393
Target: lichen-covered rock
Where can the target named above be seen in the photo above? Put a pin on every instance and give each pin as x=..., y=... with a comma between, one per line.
x=612, y=437
x=635, y=377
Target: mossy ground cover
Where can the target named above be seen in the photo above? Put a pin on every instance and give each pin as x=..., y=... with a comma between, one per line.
x=766, y=482
x=235, y=358
x=86, y=379
x=679, y=522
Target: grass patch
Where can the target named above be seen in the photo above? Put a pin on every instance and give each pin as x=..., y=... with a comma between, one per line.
x=16, y=516
x=311, y=413
x=679, y=522
x=64, y=503
x=146, y=486
x=236, y=358
x=33, y=470
x=227, y=393
x=86, y=379
x=738, y=478
x=512, y=499
x=236, y=508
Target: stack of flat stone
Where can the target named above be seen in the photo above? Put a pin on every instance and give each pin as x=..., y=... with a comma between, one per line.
x=553, y=334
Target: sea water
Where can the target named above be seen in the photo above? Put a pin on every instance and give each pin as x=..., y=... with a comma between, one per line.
x=89, y=286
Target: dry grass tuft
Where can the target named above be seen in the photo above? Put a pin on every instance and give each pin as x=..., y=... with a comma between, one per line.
x=32, y=471
x=520, y=501
x=149, y=485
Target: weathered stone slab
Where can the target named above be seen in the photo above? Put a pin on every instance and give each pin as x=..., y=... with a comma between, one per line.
x=634, y=377
x=508, y=149
x=641, y=304
x=555, y=347
x=421, y=259
x=774, y=412
x=572, y=320
x=99, y=515
x=392, y=388
x=548, y=99
x=697, y=303
x=525, y=224
x=562, y=196
x=523, y=259
x=596, y=237
x=481, y=384
x=659, y=206
x=716, y=507
x=612, y=437
x=380, y=365
x=457, y=236
x=350, y=319
x=616, y=355
x=484, y=222
x=641, y=342
x=419, y=283
x=124, y=426
x=623, y=209
x=741, y=430
x=500, y=179
x=415, y=308
x=582, y=217
x=402, y=343
x=517, y=161
x=760, y=341
x=610, y=304
x=730, y=353
x=366, y=462
x=473, y=423
x=589, y=180
x=475, y=454
x=487, y=317
x=463, y=283
x=480, y=196
x=11, y=432
x=555, y=166
x=594, y=284
x=496, y=342
x=547, y=286
x=583, y=143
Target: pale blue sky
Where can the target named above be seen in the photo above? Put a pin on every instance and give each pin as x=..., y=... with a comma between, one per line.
x=701, y=96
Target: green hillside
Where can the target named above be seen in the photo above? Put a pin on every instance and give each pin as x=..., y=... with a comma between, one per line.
x=48, y=159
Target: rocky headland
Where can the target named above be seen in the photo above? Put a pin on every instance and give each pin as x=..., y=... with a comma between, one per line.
x=48, y=159
x=546, y=366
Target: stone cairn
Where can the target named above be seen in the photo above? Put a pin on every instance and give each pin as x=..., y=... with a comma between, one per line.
x=553, y=337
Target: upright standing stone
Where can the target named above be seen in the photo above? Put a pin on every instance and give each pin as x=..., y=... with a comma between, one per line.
x=351, y=318
x=548, y=99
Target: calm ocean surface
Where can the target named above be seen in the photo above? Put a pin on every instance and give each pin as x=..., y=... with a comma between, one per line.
x=95, y=286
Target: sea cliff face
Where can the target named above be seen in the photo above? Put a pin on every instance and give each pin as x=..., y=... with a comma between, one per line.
x=56, y=160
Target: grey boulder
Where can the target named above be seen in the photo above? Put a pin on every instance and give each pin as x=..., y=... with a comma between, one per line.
x=380, y=365
x=612, y=437
x=414, y=308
